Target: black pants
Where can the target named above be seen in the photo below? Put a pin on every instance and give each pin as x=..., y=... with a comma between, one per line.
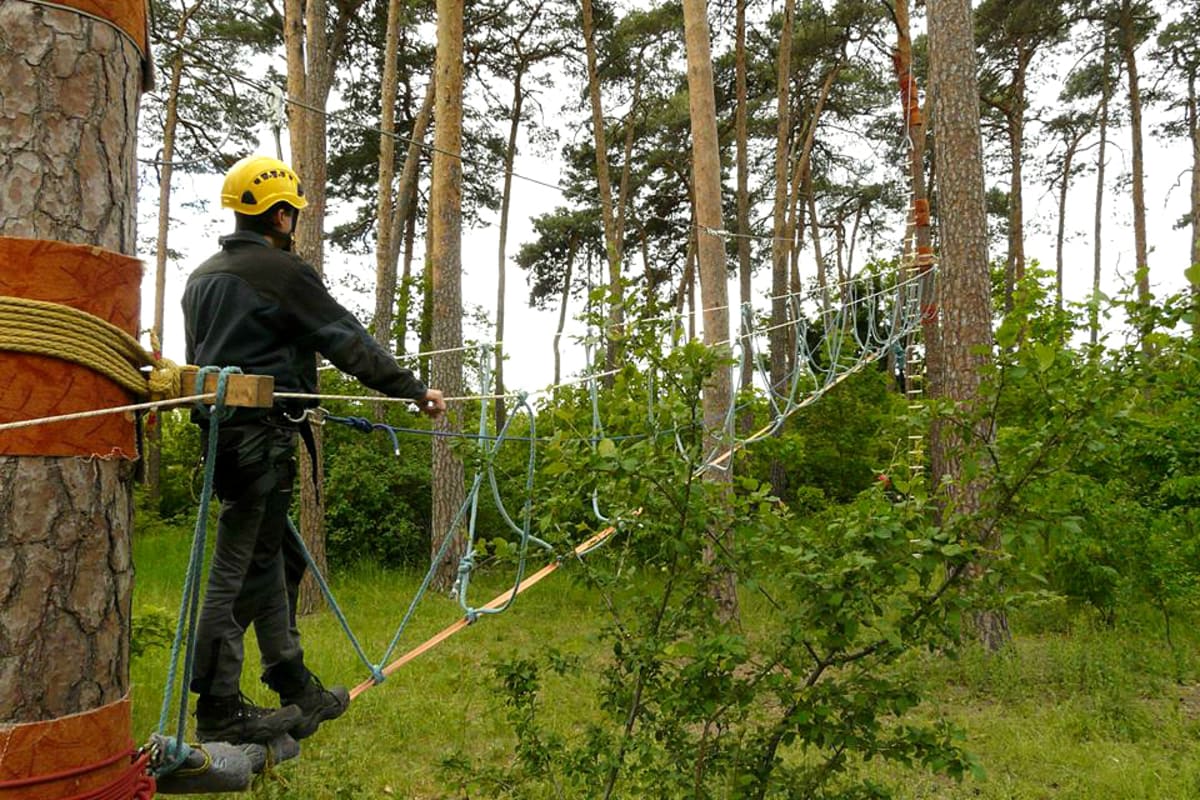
x=254, y=573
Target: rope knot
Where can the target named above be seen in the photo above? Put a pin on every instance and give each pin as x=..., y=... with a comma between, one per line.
x=165, y=380
x=360, y=424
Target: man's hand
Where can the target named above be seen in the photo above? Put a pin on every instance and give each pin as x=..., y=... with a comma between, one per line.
x=432, y=404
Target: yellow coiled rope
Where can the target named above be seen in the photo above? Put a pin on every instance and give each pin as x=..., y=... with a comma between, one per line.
x=50, y=329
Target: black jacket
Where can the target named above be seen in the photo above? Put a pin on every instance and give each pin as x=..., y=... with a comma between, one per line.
x=266, y=311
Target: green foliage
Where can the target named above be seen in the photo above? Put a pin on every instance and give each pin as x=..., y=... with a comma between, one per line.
x=179, y=486
x=693, y=706
x=1096, y=460
x=153, y=627
x=377, y=504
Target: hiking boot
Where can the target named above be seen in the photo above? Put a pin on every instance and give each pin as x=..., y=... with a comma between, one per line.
x=317, y=704
x=236, y=720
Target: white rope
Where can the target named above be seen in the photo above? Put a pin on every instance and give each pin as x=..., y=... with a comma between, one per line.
x=100, y=412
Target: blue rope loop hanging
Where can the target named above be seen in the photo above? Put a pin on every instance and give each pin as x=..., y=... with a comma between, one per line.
x=176, y=751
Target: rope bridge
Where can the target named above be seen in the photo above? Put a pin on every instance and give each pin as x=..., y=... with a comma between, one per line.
x=843, y=340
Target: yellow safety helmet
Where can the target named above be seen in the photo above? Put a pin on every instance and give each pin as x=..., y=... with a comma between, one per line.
x=256, y=183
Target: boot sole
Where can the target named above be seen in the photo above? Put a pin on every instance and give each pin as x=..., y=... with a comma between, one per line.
x=307, y=725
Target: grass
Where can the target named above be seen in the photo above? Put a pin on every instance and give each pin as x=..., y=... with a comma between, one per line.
x=1071, y=711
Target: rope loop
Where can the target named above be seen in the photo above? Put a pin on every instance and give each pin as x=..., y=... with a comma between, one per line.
x=55, y=330
x=218, y=411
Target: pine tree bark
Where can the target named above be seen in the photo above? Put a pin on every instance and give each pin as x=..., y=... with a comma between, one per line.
x=510, y=154
x=778, y=338
x=385, y=228
x=313, y=48
x=1128, y=44
x=780, y=240
x=965, y=300
x=921, y=228
x=67, y=173
x=706, y=163
x=1098, y=218
x=563, y=302
x=741, y=137
x=1194, y=136
x=612, y=248
x=446, y=271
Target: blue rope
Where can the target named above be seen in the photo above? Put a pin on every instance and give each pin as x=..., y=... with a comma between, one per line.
x=376, y=672
x=190, y=602
x=364, y=425
x=468, y=561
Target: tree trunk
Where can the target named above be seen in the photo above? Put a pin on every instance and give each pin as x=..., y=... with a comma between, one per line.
x=706, y=163
x=67, y=173
x=446, y=282
x=562, y=309
x=510, y=155
x=1098, y=220
x=425, y=334
x=1194, y=135
x=779, y=335
x=407, y=190
x=313, y=52
x=627, y=162
x=385, y=265
x=966, y=302
x=153, y=428
x=815, y=232
x=741, y=136
x=616, y=310
x=1015, y=268
x=1069, y=154
x=404, y=303
x=1129, y=52
x=780, y=240
x=921, y=231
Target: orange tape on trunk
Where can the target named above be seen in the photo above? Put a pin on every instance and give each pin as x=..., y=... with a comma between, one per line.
x=128, y=15
x=97, y=281
x=89, y=751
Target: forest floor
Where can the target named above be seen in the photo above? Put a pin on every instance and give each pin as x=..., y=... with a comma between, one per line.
x=1072, y=710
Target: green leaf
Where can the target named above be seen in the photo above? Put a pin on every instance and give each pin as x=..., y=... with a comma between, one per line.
x=1192, y=274
x=1045, y=356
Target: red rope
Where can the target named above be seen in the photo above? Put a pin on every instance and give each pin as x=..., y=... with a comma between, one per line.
x=135, y=783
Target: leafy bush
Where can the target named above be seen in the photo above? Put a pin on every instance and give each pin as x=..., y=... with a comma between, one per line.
x=697, y=707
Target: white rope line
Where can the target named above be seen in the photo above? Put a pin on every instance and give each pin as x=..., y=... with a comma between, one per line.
x=383, y=399
x=100, y=412
x=427, y=353
x=463, y=398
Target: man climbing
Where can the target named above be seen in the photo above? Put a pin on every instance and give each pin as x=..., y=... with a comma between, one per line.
x=256, y=306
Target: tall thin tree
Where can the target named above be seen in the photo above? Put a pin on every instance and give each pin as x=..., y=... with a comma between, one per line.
x=445, y=268
x=706, y=166
x=966, y=287
x=315, y=45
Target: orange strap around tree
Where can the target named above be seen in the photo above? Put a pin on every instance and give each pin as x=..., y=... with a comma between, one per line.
x=87, y=755
x=97, y=281
x=129, y=16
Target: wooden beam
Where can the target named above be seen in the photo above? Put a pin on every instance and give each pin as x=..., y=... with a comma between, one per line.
x=241, y=391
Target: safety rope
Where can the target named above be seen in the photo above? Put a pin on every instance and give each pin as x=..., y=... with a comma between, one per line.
x=189, y=604
x=58, y=331
x=489, y=447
